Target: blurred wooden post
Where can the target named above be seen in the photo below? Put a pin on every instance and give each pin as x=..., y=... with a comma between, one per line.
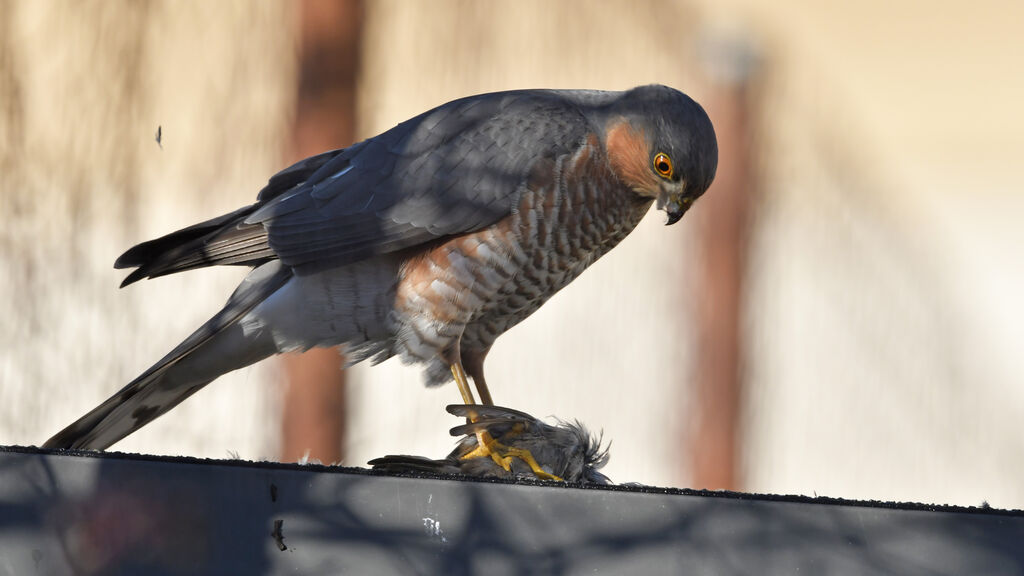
x=314, y=398
x=723, y=255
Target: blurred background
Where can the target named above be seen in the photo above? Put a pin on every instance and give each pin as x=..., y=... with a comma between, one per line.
x=840, y=315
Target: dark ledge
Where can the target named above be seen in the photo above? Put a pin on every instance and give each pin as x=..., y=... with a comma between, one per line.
x=108, y=513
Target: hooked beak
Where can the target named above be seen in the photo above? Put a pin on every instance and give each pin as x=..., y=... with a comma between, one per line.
x=674, y=204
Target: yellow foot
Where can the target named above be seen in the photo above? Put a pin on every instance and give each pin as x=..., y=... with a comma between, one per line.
x=503, y=455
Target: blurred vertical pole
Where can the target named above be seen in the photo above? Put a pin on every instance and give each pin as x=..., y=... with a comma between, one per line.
x=723, y=255
x=313, y=421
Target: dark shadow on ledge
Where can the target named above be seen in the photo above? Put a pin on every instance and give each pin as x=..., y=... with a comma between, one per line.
x=114, y=514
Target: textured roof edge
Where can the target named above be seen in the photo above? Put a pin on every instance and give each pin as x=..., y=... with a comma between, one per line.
x=629, y=488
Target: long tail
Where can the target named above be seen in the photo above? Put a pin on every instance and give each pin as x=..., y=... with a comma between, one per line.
x=217, y=347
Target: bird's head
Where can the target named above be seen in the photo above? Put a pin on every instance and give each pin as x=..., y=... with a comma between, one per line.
x=661, y=144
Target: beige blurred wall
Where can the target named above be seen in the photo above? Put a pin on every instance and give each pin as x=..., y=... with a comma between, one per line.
x=885, y=345
x=83, y=88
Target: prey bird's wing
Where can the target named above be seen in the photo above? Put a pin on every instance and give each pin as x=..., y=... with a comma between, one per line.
x=452, y=170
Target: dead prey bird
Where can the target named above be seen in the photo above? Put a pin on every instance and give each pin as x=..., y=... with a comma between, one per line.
x=566, y=450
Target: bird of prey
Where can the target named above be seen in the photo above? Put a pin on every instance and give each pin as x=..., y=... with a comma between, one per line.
x=565, y=450
x=425, y=242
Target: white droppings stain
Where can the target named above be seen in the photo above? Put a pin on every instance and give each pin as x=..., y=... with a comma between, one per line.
x=429, y=498
x=434, y=529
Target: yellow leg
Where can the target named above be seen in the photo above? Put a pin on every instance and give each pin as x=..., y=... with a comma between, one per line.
x=485, y=394
x=503, y=455
x=483, y=439
x=487, y=445
x=526, y=457
x=463, y=383
x=474, y=364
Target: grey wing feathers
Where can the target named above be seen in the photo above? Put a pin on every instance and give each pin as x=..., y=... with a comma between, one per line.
x=452, y=170
x=225, y=240
x=221, y=241
x=455, y=169
x=403, y=464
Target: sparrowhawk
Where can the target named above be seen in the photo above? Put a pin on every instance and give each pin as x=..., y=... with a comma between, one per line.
x=425, y=242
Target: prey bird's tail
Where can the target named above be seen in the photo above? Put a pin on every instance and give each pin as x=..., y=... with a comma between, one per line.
x=219, y=346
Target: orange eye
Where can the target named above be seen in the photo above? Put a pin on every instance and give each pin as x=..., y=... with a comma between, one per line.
x=662, y=165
